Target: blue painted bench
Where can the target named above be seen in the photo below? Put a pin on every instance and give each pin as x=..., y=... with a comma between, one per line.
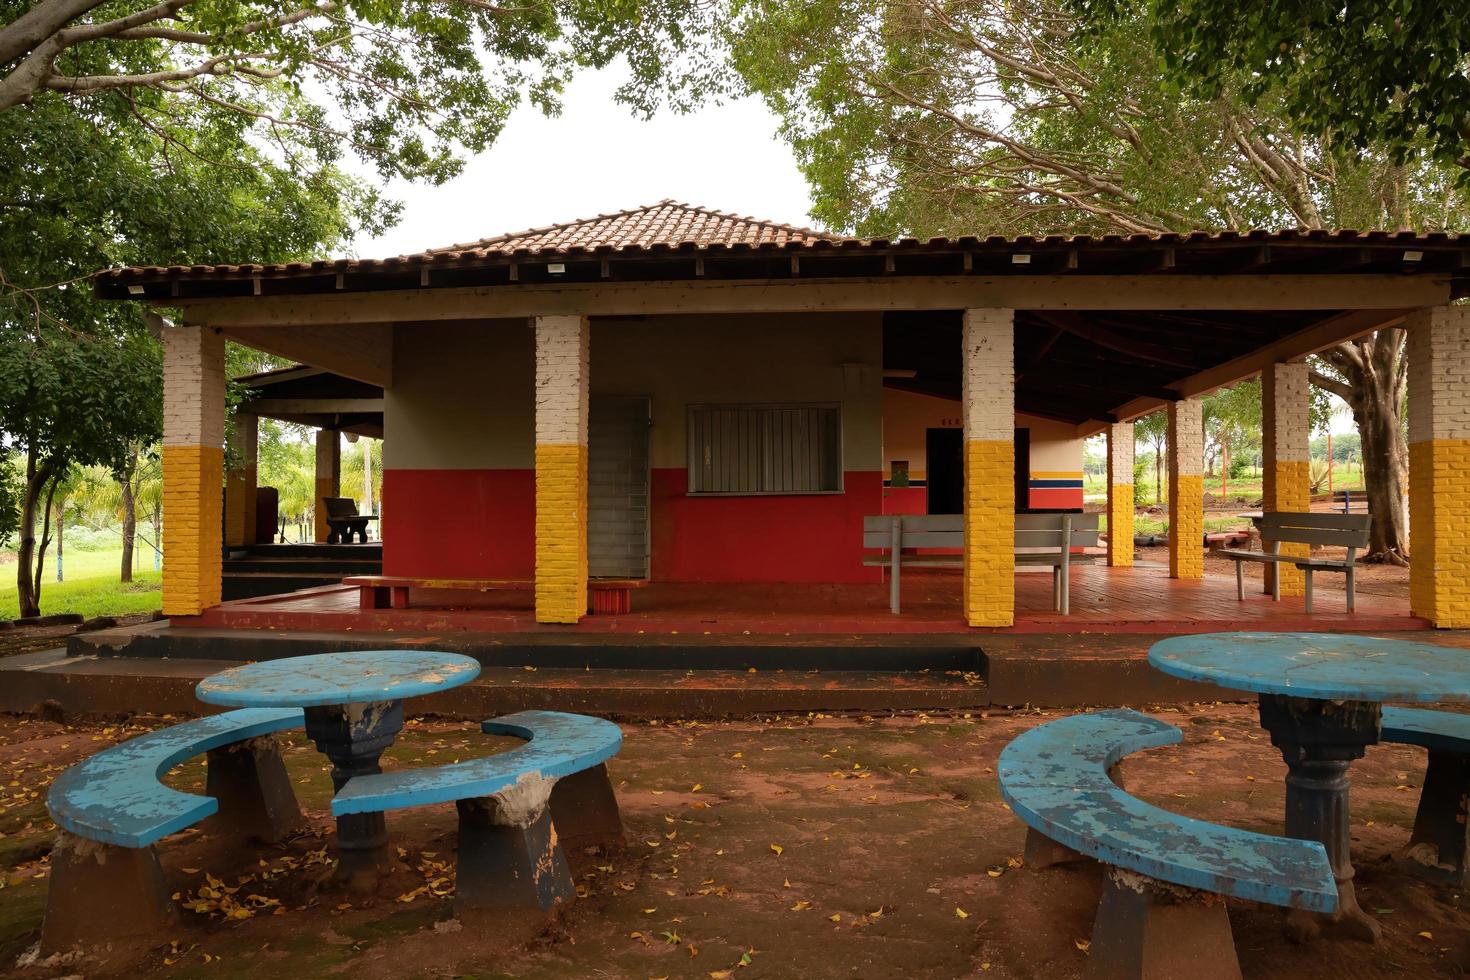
x=1160, y=913
x=110, y=809
x=520, y=812
x=1438, y=845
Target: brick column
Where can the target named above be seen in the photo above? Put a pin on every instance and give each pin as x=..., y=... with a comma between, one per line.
x=193, y=468
x=240, y=482
x=562, y=361
x=1120, y=494
x=1186, y=489
x=1286, y=414
x=989, y=392
x=328, y=476
x=1439, y=465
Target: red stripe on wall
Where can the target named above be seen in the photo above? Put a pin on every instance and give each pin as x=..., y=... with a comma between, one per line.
x=459, y=523
x=905, y=500
x=1056, y=498
x=798, y=538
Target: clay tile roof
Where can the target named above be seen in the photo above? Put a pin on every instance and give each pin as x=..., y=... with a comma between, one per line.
x=668, y=223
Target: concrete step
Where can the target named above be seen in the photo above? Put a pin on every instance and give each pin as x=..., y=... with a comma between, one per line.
x=94, y=685
x=372, y=551
x=296, y=566
x=251, y=585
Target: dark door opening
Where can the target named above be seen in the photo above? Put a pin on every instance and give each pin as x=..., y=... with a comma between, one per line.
x=944, y=470
x=1023, y=470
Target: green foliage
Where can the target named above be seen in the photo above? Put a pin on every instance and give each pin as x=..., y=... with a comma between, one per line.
x=407, y=86
x=1372, y=74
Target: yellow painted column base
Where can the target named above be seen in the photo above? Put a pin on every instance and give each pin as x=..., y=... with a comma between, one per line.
x=1187, y=527
x=1120, y=525
x=1288, y=488
x=192, y=515
x=561, y=533
x=990, y=533
x=1439, y=498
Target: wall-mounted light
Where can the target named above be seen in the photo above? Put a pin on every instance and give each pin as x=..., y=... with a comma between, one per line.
x=900, y=373
x=135, y=290
x=1413, y=256
x=1021, y=258
x=556, y=268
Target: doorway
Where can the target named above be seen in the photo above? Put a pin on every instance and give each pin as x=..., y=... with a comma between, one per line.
x=944, y=470
x=617, y=487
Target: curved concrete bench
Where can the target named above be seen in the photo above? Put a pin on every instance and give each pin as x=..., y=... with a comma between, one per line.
x=1441, y=840
x=516, y=809
x=111, y=809
x=1159, y=915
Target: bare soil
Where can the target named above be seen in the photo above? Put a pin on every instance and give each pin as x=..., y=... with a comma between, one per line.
x=809, y=846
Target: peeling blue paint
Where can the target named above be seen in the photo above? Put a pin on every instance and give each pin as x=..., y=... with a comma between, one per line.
x=115, y=796
x=1320, y=666
x=1438, y=730
x=558, y=744
x=1055, y=778
x=350, y=677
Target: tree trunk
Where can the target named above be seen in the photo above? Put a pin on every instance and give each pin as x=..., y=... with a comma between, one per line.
x=1373, y=375
x=129, y=518
x=1158, y=473
x=157, y=536
x=27, y=575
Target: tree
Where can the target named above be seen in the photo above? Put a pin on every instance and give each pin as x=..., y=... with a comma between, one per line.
x=1232, y=416
x=1373, y=74
x=927, y=118
x=1153, y=430
x=406, y=85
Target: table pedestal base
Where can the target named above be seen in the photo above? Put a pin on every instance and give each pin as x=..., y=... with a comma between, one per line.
x=1319, y=741
x=354, y=738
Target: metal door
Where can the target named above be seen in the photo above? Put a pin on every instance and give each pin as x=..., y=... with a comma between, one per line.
x=617, y=490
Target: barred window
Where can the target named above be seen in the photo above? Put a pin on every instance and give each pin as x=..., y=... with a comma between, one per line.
x=765, y=449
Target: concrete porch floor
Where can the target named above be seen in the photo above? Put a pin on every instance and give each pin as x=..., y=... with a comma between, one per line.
x=1141, y=599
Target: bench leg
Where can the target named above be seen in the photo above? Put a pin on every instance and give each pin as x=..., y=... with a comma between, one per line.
x=1149, y=930
x=1352, y=599
x=1240, y=581
x=1043, y=852
x=585, y=811
x=1307, y=600
x=1438, y=844
x=256, y=801
x=510, y=860
x=398, y=596
x=101, y=894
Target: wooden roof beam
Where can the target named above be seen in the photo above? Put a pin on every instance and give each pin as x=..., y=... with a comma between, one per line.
x=1080, y=326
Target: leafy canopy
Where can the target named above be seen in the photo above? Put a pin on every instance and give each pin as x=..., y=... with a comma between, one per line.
x=1374, y=74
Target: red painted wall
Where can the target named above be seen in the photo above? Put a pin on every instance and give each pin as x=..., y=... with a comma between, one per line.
x=459, y=523
x=1056, y=498
x=905, y=500
x=798, y=538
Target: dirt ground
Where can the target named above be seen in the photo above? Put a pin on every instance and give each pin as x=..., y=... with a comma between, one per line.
x=809, y=846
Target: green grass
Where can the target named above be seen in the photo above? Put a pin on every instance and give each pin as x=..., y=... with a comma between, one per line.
x=91, y=585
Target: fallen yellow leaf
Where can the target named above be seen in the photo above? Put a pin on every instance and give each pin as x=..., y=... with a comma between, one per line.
x=1082, y=944
x=834, y=917
x=777, y=849
x=961, y=913
x=697, y=787
x=1426, y=934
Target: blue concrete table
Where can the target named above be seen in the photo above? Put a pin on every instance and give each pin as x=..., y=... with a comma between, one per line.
x=353, y=702
x=1321, y=698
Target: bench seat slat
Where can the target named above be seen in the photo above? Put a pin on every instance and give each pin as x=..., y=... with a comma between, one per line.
x=558, y=744
x=1442, y=730
x=115, y=796
x=1055, y=778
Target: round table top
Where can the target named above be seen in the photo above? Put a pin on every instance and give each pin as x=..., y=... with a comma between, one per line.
x=1319, y=666
x=350, y=677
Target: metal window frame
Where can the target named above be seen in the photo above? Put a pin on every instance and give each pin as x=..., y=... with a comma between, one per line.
x=691, y=455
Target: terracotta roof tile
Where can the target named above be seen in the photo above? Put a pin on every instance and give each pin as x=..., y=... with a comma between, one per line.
x=668, y=223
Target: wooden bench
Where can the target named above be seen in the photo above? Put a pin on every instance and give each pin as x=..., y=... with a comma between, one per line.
x=509, y=858
x=343, y=520
x=1348, y=531
x=606, y=596
x=1158, y=917
x=1038, y=541
x=106, y=882
x=1438, y=845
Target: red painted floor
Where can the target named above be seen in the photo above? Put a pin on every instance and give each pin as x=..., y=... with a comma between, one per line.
x=1104, y=600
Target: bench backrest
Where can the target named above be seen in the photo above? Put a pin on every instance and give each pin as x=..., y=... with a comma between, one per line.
x=1048, y=531
x=917, y=530
x=1340, y=530
x=1055, y=779
x=948, y=530
x=340, y=506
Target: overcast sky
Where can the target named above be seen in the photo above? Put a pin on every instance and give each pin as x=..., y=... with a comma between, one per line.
x=598, y=157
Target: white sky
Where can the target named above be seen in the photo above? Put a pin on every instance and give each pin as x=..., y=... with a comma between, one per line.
x=598, y=157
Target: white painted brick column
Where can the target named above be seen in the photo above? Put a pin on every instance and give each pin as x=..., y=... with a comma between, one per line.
x=193, y=467
x=1286, y=407
x=989, y=411
x=1120, y=494
x=1186, y=489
